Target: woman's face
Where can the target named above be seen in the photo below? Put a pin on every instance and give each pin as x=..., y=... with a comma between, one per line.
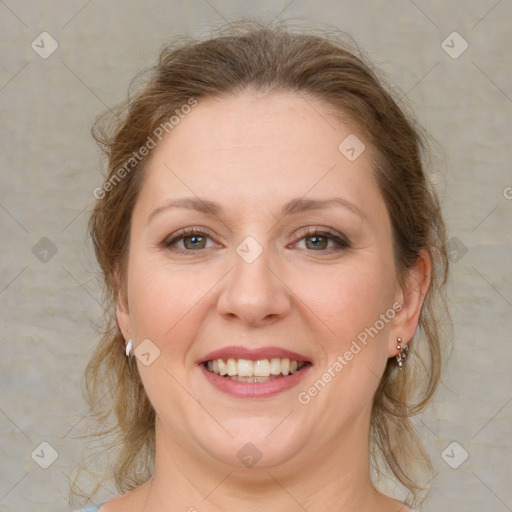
x=290, y=259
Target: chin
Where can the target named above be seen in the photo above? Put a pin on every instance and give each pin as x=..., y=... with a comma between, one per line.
x=256, y=443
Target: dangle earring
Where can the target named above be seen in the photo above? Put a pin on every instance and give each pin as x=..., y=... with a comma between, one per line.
x=402, y=355
x=128, y=348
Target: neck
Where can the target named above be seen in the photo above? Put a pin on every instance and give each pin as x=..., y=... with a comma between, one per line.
x=335, y=476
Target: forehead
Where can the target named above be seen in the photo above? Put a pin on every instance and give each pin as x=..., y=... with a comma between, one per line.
x=253, y=147
x=253, y=119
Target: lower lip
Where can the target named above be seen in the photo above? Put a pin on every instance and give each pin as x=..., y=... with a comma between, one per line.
x=254, y=389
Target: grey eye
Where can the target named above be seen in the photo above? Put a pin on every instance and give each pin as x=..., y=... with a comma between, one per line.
x=317, y=242
x=194, y=242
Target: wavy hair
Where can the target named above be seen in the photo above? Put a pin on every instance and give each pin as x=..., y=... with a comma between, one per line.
x=327, y=67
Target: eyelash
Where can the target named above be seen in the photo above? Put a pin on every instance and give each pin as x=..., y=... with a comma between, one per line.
x=341, y=242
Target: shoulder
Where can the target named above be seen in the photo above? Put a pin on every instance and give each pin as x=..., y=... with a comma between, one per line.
x=90, y=509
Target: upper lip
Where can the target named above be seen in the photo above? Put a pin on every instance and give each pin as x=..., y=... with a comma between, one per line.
x=239, y=352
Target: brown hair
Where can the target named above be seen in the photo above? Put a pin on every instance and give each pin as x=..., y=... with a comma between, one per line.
x=245, y=55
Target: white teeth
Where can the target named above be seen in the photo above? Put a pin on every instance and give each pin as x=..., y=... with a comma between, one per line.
x=261, y=370
x=245, y=368
x=231, y=367
x=275, y=366
x=222, y=367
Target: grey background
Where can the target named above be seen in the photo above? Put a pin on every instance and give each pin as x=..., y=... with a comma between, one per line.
x=50, y=166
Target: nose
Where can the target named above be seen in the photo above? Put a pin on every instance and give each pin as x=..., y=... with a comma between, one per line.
x=254, y=294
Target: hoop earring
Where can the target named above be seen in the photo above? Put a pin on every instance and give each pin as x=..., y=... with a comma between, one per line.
x=402, y=355
x=128, y=348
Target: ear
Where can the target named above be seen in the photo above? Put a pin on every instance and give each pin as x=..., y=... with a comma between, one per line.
x=411, y=296
x=122, y=311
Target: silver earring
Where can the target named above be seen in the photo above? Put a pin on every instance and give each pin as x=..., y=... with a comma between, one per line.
x=128, y=347
x=402, y=355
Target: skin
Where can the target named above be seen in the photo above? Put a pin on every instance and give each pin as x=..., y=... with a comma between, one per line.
x=252, y=153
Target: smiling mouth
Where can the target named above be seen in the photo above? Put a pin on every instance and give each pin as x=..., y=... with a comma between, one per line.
x=260, y=370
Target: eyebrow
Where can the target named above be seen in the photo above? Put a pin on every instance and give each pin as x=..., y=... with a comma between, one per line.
x=294, y=206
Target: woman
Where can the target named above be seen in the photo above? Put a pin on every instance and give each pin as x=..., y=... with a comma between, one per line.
x=272, y=251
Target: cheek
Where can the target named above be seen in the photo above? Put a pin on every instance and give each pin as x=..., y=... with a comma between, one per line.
x=347, y=298
x=164, y=299
x=357, y=306
x=167, y=303
x=350, y=300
